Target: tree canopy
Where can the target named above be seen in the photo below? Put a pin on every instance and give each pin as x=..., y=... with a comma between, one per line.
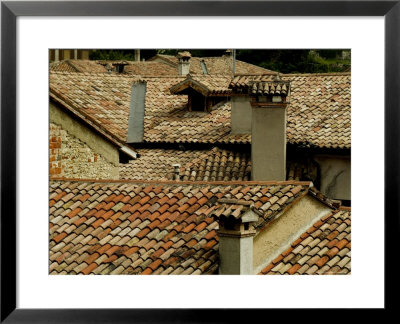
x=284, y=61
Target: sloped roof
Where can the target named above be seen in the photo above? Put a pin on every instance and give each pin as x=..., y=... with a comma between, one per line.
x=101, y=98
x=207, y=85
x=319, y=113
x=325, y=248
x=146, y=68
x=156, y=164
x=148, y=228
x=150, y=69
x=216, y=164
x=82, y=66
x=215, y=65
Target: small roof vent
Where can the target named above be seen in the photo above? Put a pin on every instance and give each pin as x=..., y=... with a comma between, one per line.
x=204, y=67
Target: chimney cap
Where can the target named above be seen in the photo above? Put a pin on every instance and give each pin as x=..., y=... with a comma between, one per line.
x=228, y=52
x=120, y=63
x=184, y=55
x=241, y=210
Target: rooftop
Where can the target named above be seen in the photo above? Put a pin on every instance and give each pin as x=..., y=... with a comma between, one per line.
x=102, y=66
x=216, y=164
x=318, y=114
x=215, y=65
x=325, y=248
x=118, y=227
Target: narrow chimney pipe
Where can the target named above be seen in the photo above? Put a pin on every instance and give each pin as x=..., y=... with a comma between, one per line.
x=176, y=171
x=137, y=55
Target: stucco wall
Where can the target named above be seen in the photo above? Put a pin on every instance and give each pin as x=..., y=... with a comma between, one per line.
x=279, y=235
x=241, y=115
x=78, y=152
x=268, y=149
x=335, y=176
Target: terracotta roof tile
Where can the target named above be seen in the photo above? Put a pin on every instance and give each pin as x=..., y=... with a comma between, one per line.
x=186, y=244
x=318, y=113
x=306, y=256
x=216, y=164
x=214, y=65
x=100, y=66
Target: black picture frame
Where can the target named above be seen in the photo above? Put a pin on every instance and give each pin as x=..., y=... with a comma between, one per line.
x=10, y=10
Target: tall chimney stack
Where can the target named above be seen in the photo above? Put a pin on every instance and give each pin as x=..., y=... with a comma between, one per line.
x=236, y=220
x=136, y=112
x=259, y=107
x=268, y=129
x=183, y=63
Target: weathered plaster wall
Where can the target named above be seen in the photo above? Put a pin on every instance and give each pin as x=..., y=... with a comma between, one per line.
x=268, y=149
x=78, y=152
x=279, y=235
x=335, y=176
x=241, y=115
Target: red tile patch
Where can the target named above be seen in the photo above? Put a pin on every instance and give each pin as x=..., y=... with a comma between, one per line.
x=321, y=260
x=144, y=242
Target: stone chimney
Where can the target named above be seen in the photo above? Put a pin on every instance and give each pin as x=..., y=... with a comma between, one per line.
x=136, y=113
x=259, y=108
x=236, y=221
x=183, y=63
x=268, y=129
x=119, y=66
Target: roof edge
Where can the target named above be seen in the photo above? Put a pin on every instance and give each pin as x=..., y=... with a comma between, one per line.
x=173, y=182
x=86, y=120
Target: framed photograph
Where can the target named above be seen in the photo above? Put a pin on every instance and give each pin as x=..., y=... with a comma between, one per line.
x=196, y=137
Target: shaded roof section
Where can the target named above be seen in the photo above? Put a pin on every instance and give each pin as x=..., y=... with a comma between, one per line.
x=207, y=85
x=325, y=248
x=157, y=164
x=182, y=126
x=148, y=228
x=214, y=65
x=216, y=164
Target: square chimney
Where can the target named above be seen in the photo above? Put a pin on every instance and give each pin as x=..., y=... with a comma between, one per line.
x=269, y=101
x=236, y=220
x=184, y=62
x=259, y=105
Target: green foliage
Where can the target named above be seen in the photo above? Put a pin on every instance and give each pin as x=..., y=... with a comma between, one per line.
x=295, y=61
x=121, y=54
x=194, y=52
x=284, y=61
